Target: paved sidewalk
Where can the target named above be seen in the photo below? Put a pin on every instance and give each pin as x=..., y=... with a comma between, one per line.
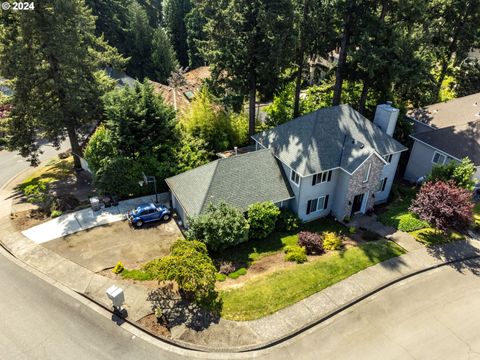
x=230, y=335
x=86, y=219
x=67, y=272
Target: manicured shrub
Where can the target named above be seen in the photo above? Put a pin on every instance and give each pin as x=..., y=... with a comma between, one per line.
x=346, y=219
x=352, y=230
x=221, y=277
x=118, y=268
x=312, y=242
x=331, y=241
x=226, y=267
x=219, y=227
x=190, y=267
x=262, y=218
x=369, y=235
x=460, y=173
x=444, y=206
x=238, y=273
x=287, y=220
x=55, y=213
x=99, y=149
x=295, y=254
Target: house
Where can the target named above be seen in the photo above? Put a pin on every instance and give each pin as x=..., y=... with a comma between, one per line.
x=181, y=97
x=444, y=132
x=332, y=160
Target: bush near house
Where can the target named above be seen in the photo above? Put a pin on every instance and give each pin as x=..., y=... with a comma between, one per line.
x=312, y=242
x=262, y=218
x=460, y=173
x=190, y=267
x=444, y=205
x=287, y=220
x=219, y=227
x=331, y=241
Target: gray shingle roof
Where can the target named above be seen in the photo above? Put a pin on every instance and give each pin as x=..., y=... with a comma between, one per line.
x=332, y=137
x=458, y=141
x=239, y=180
x=453, y=112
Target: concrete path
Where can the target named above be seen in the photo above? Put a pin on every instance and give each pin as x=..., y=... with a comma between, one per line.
x=86, y=219
x=229, y=335
x=402, y=238
x=64, y=271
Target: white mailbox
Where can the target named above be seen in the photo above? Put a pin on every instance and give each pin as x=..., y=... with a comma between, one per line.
x=115, y=294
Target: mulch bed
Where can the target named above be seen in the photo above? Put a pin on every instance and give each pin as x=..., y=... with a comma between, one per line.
x=151, y=323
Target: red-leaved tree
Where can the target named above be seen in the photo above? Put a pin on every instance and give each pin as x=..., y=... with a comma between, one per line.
x=444, y=206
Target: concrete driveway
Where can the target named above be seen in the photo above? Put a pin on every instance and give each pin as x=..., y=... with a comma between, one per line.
x=102, y=247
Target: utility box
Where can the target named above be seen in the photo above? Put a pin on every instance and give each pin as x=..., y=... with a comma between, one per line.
x=115, y=294
x=95, y=203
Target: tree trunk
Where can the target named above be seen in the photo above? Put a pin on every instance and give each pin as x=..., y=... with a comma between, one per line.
x=251, y=105
x=363, y=98
x=342, y=59
x=76, y=150
x=298, y=87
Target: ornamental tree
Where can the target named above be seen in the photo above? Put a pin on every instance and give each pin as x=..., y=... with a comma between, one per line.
x=190, y=267
x=444, y=205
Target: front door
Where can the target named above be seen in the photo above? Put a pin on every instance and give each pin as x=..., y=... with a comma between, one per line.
x=357, y=203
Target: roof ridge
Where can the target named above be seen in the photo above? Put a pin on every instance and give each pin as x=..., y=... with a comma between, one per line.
x=209, y=184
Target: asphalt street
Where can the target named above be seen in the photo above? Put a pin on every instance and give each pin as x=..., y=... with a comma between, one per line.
x=432, y=316
x=12, y=164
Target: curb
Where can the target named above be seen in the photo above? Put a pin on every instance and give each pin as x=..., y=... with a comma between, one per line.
x=267, y=344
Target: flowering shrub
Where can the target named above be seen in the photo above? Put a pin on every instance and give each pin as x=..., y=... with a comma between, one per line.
x=312, y=242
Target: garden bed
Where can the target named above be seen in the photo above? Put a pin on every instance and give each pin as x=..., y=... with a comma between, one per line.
x=267, y=294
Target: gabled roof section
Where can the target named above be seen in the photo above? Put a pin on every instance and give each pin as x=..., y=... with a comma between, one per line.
x=328, y=138
x=457, y=141
x=450, y=113
x=239, y=180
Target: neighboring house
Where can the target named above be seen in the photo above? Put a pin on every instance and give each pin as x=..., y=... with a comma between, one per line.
x=332, y=160
x=444, y=132
x=120, y=77
x=181, y=97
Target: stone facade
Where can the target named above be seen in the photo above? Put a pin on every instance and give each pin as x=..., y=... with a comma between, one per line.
x=356, y=186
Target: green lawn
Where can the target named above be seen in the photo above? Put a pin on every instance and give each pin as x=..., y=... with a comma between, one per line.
x=397, y=214
x=252, y=250
x=476, y=214
x=270, y=293
x=430, y=236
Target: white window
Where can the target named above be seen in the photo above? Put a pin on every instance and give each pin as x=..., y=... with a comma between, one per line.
x=438, y=158
x=367, y=174
x=322, y=177
x=388, y=158
x=382, y=185
x=294, y=177
x=318, y=204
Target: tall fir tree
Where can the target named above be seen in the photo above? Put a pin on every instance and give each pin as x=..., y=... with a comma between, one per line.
x=174, y=13
x=248, y=44
x=140, y=35
x=163, y=56
x=53, y=57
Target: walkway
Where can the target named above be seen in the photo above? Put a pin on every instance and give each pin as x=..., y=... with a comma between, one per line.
x=235, y=336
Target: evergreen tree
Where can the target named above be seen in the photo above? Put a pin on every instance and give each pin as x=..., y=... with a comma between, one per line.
x=153, y=9
x=53, y=57
x=140, y=122
x=163, y=56
x=453, y=27
x=140, y=37
x=112, y=21
x=175, y=12
x=248, y=44
x=195, y=34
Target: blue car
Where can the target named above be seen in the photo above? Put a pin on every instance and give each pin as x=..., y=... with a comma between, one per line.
x=146, y=213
